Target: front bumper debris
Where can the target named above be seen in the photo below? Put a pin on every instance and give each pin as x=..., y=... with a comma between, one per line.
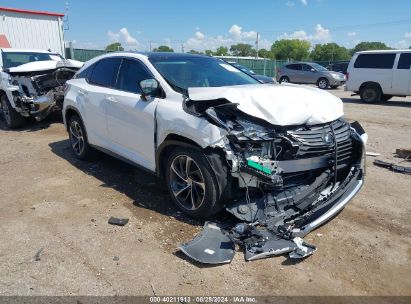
x=262, y=235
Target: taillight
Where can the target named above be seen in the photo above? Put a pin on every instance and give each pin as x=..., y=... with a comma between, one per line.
x=65, y=87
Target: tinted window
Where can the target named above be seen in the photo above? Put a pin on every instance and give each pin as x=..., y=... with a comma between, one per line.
x=294, y=67
x=105, y=72
x=13, y=59
x=131, y=73
x=86, y=73
x=306, y=67
x=375, y=61
x=185, y=71
x=405, y=61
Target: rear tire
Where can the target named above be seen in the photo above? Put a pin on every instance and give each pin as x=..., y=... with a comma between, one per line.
x=191, y=183
x=284, y=79
x=323, y=83
x=370, y=94
x=11, y=117
x=78, y=139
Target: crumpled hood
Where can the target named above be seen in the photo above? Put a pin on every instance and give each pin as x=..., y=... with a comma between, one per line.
x=281, y=105
x=46, y=65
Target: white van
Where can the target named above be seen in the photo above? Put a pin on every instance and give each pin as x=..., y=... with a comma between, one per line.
x=380, y=75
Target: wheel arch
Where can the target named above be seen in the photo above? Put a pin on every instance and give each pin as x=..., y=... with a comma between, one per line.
x=69, y=112
x=170, y=142
x=371, y=84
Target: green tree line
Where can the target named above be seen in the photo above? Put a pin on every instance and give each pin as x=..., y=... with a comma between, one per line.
x=284, y=49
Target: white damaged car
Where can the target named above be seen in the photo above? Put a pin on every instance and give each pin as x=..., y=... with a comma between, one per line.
x=32, y=84
x=280, y=158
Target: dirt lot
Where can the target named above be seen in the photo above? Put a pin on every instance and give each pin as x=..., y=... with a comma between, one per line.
x=53, y=202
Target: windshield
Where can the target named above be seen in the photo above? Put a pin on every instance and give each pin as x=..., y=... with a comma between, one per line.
x=13, y=59
x=243, y=68
x=318, y=67
x=186, y=71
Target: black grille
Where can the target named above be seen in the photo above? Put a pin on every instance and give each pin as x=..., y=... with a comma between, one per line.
x=312, y=144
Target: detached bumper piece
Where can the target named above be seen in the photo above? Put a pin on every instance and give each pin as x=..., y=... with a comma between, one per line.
x=211, y=246
x=216, y=245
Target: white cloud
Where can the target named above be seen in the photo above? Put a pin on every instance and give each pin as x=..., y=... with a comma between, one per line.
x=199, y=35
x=200, y=41
x=320, y=34
x=351, y=34
x=304, y=2
x=402, y=44
x=407, y=35
x=124, y=37
x=238, y=34
x=290, y=3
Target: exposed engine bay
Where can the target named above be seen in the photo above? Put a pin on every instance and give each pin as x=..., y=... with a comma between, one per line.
x=37, y=88
x=290, y=180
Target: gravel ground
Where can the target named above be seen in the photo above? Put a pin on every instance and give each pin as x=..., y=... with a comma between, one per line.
x=56, y=240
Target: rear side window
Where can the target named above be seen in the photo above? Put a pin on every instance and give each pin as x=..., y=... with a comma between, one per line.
x=86, y=73
x=294, y=67
x=405, y=61
x=375, y=61
x=130, y=74
x=105, y=72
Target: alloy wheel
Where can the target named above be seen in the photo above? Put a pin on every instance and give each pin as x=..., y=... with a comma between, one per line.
x=76, y=137
x=187, y=182
x=323, y=84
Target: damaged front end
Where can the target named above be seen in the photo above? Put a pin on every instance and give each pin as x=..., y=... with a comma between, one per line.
x=290, y=180
x=38, y=93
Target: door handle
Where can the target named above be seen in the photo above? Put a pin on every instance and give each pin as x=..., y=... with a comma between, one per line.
x=112, y=99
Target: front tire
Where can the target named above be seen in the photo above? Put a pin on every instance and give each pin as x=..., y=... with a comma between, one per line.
x=191, y=183
x=323, y=83
x=284, y=79
x=11, y=117
x=370, y=94
x=78, y=139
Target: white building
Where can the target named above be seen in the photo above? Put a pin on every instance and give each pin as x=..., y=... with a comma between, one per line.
x=25, y=29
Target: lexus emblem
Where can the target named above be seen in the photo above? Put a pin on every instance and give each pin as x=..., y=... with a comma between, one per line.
x=328, y=138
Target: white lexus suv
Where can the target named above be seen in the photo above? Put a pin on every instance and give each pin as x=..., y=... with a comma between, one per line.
x=275, y=154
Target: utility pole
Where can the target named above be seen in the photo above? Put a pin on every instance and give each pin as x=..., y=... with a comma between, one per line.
x=256, y=47
x=182, y=48
x=150, y=46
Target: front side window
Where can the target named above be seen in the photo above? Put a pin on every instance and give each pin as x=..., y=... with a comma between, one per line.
x=183, y=72
x=105, y=72
x=375, y=61
x=307, y=67
x=130, y=74
x=14, y=59
x=318, y=67
x=405, y=61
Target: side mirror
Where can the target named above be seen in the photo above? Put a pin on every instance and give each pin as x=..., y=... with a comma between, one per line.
x=313, y=70
x=148, y=87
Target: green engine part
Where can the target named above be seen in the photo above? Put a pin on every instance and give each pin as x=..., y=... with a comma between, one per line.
x=259, y=167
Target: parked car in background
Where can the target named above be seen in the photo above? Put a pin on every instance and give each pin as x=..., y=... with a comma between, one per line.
x=380, y=75
x=310, y=73
x=340, y=67
x=32, y=83
x=260, y=78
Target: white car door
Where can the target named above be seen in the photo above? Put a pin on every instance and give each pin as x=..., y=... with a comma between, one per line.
x=130, y=119
x=402, y=75
x=93, y=92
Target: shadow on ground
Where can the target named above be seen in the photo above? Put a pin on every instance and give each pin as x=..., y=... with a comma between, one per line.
x=393, y=103
x=144, y=189
x=31, y=125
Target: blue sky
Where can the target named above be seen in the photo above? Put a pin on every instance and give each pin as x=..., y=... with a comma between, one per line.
x=207, y=24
